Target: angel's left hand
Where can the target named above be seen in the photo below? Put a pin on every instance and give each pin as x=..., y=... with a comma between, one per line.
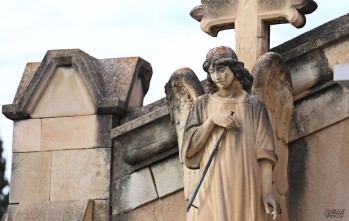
x=269, y=200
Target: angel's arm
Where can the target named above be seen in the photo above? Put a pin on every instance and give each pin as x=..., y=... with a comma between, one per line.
x=268, y=197
x=266, y=160
x=199, y=138
x=267, y=173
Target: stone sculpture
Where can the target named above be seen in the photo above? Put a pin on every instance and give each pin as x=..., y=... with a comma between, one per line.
x=251, y=20
x=239, y=180
x=182, y=90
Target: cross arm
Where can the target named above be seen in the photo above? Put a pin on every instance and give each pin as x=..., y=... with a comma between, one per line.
x=218, y=15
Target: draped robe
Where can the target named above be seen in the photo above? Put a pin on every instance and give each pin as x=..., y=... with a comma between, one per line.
x=232, y=188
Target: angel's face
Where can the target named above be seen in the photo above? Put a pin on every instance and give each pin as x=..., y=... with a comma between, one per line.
x=222, y=76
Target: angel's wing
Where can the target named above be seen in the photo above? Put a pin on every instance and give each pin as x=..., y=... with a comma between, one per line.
x=182, y=90
x=272, y=82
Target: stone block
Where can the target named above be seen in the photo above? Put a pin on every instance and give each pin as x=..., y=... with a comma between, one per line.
x=26, y=135
x=30, y=177
x=170, y=208
x=76, y=132
x=168, y=176
x=100, y=210
x=132, y=191
x=120, y=168
x=80, y=174
x=79, y=210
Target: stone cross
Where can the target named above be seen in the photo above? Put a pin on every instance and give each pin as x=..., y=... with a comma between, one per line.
x=251, y=20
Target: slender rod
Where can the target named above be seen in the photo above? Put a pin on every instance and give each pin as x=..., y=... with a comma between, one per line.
x=207, y=166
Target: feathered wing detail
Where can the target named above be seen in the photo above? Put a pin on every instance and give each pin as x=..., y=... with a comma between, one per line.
x=182, y=90
x=272, y=82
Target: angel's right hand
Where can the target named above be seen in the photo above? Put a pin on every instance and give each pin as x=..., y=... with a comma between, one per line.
x=224, y=120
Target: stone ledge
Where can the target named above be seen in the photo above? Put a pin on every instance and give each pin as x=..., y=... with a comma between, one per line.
x=141, y=111
x=329, y=30
x=145, y=119
x=168, y=176
x=322, y=109
x=156, y=132
x=121, y=168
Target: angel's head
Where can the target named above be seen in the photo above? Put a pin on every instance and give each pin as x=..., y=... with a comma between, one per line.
x=225, y=56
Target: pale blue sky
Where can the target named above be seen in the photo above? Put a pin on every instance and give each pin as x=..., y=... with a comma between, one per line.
x=159, y=31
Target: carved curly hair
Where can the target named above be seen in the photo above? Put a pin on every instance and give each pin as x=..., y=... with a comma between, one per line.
x=226, y=56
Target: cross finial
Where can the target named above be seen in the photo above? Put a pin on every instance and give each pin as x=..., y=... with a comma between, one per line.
x=251, y=20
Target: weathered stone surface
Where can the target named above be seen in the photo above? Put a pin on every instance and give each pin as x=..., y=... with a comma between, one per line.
x=320, y=110
x=137, y=94
x=152, y=116
x=121, y=74
x=100, y=210
x=120, y=168
x=108, y=81
x=308, y=71
x=170, y=208
x=30, y=177
x=140, y=111
x=10, y=213
x=132, y=191
x=65, y=95
x=338, y=53
x=141, y=120
x=155, y=130
x=318, y=173
x=293, y=132
x=76, y=132
x=312, y=55
x=168, y=176
x=29, y=71
x=316, y=38
x=80, y=210
x=26, y=135
x=341, y=75
x=80, y=174
x=217, y=16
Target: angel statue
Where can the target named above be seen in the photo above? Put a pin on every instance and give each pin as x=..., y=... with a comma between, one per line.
x=239, y=184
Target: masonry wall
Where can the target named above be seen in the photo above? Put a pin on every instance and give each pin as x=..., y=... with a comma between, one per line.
x=318, y=154
x=62, y=154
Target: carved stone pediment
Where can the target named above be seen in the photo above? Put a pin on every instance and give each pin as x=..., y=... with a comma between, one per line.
x=102, y=86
